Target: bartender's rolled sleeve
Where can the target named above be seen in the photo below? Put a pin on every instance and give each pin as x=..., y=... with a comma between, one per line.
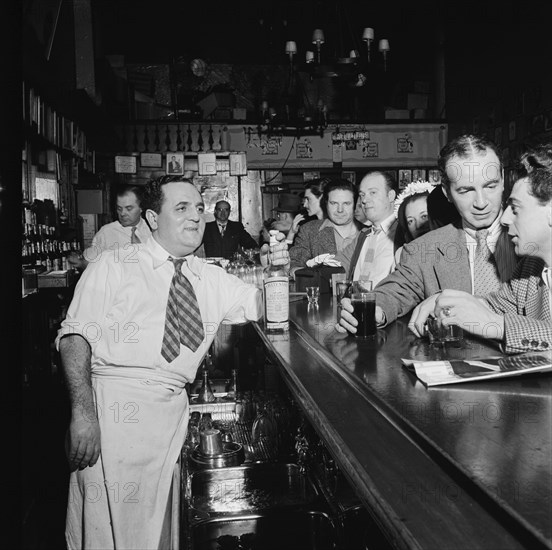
x=94, y=294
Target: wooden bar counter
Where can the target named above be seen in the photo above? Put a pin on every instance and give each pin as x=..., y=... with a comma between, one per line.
x=465, y=466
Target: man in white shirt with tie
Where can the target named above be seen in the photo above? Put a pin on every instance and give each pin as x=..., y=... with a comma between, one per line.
x=135, y=333
x=372, y=255
x=128, y=230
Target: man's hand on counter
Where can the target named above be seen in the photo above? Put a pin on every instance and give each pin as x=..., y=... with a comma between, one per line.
x=278, y=255
x=348, y=323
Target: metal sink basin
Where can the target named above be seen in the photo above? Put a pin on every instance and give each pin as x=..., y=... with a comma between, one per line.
x=288, y=529
x=249, y=489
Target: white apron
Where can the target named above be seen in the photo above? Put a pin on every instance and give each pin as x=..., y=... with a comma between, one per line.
x=121, y=502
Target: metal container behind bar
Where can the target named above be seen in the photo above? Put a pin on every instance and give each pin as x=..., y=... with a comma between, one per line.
x=250, y=489
x=290, y=530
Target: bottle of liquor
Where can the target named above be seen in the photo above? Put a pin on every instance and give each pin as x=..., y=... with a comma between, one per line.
x=276, y=294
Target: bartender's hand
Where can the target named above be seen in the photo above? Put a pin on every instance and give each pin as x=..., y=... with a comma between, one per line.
x=420, y=314
x=348, y=323
x=82, y=441
x=279, y=254
x=471, y=313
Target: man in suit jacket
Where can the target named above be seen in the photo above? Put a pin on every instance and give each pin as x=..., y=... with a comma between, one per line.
x=472, y=176
x=332, y=234
x=222, y=237
x=174, y=166
x=519, y=313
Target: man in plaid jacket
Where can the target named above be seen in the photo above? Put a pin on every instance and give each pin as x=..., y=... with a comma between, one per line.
x=519, y=313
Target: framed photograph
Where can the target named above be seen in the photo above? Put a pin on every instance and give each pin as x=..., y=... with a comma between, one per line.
x=175, y=164
x=308, y=176
x=151, y=160
x=434, y=176
x=349, y=176
x=405, y=177
x=125, y=164
x=419, y=174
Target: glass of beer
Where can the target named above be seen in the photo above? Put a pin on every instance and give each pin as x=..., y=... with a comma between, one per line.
x=364, y=311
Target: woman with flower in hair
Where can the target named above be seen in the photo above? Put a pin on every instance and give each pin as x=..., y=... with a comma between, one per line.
x=412, y=213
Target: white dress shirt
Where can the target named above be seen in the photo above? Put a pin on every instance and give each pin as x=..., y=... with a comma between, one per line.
x=120, y=303
x=377, y=256
x=113, y=235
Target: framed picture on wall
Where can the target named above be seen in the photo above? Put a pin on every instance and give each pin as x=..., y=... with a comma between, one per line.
x=308, y=176
x=175, y=164
x=349, y=176
x=151, y=160
x=405, y=177
x=125, y=164
x=434, y=176
x=418, y=174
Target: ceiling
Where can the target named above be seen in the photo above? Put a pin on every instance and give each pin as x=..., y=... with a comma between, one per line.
x=246, y=31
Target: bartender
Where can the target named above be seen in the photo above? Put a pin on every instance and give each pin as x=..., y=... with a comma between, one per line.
x=135, y=333
x=130, y=228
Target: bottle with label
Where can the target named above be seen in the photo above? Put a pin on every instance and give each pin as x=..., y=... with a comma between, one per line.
x=276, y=294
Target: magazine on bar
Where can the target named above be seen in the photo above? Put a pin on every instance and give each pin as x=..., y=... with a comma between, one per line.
x=455, y=371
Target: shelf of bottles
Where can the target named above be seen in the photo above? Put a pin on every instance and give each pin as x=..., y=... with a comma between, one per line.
x=42, y=251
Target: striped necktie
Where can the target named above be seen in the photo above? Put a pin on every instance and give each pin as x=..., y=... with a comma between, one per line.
x=134, y=239
x=370, y=255
x=485, y=278
x=222, y=230
x=183, y=324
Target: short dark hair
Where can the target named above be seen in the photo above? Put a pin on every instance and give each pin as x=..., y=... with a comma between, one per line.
x=335, y=184
x=462, y=146
x=153, y=197
x=222, y=200
x=390, y=180
x=123, y=190
x=536, y=165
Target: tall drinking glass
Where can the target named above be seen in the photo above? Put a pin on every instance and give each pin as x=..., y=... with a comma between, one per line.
x=364, y=311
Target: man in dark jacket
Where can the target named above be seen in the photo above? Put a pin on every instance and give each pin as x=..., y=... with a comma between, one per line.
x=222, y=237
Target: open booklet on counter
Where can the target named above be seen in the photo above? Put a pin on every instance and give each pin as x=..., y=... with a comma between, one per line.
x=455, y=371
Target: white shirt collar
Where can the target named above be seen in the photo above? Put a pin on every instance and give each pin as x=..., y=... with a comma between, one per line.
x=160, y=256
x=386, y=223
x=494, y=229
